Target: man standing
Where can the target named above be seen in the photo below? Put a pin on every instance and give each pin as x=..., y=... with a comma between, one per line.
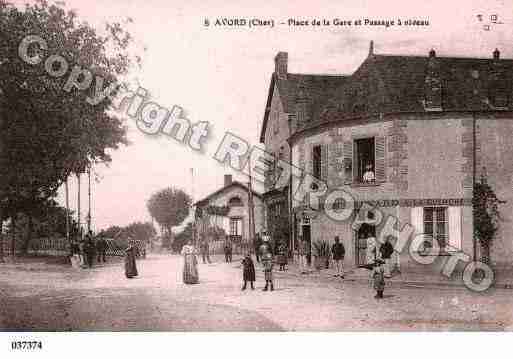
x=386, y=251
x=338, y=251
x=257, y=244
x=101, y=248
x=228, y=250
x=89, y=249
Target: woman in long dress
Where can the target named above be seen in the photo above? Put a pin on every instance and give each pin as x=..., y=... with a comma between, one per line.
x=130, y=266
x=190, y=264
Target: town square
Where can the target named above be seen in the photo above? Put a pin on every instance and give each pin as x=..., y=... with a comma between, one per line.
x=314, y=169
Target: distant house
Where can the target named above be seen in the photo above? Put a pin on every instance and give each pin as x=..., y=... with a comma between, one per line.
x=407, y=135
x=226, y=212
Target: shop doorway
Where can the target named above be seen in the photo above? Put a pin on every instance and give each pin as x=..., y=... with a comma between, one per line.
x=365, y=231
x=306, y=232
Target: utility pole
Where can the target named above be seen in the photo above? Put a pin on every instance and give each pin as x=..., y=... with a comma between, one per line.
x=251, y=209
x=474, y=163
x=89, y=199
x=68, y=239
x=194, y=237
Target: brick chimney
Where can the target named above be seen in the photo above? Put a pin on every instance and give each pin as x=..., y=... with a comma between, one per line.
x=280, y=65
x=227, y=180
x=496, y=54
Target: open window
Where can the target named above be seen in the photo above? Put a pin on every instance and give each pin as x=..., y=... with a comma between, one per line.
x=365, y=160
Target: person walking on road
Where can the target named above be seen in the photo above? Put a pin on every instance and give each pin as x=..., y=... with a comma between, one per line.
x=386, y=251
x=338, y=252
x=190, y=264
x=248, y=271
x=130, y=262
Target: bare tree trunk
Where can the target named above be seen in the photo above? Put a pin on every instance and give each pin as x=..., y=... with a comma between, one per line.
x=28, y=239
x=13, y=236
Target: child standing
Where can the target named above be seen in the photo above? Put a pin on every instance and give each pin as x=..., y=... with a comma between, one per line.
x=282, y=256
x=248, y=271
x=378, y=278
x=267, y=263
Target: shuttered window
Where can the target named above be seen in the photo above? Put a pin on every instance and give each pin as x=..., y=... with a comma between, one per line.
x=380, y=159
x=324, y=163
x=454, y=228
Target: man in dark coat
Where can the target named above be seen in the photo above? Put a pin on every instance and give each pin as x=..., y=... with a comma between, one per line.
x=386, y=250
x=257, y=244
x=248, y=271
x=89, y=249
x=338, y=252
x=101, y=248
x=228, y=250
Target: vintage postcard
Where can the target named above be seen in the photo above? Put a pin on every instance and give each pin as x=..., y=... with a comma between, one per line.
x=238, y=166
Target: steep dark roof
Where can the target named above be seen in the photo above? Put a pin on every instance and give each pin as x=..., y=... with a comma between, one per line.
x=389, y=84
x=225, y=188
x=315, y=88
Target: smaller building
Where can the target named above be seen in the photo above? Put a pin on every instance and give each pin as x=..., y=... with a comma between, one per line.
x=226, y=213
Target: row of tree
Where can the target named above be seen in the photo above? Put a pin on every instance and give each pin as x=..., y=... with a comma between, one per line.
x=46, y=133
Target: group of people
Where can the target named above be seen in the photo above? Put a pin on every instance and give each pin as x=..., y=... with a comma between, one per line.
x=264, y=255
x=378, y=263
x=85, y=250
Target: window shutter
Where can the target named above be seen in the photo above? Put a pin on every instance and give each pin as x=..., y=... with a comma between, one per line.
x=417, y=219
x=348, y=162
x=310, y=167
x=455, y=227
x=380, y=170
x=324, y=163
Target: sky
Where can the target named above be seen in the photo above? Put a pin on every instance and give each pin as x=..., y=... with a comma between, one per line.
x=221, y=75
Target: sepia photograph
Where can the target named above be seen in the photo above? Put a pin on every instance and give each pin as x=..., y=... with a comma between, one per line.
x=254, y=167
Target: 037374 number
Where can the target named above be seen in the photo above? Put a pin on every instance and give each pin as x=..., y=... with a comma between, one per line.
x=26, y=345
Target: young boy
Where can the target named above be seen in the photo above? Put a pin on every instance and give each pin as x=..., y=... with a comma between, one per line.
x=378, y=278
x=248, y=271
x=267, y=263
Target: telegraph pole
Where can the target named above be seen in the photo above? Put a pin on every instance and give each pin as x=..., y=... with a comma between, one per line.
x=89, y=199
x=78, y=207
x=66, y=187
x=251, y=209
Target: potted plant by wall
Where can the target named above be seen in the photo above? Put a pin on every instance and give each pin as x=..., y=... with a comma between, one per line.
x=321, y=254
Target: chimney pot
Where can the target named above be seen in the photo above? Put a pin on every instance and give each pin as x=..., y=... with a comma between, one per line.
x=227, y=180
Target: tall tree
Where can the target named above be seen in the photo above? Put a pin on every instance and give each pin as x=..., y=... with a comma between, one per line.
x=48, y=133
x=169, y=207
